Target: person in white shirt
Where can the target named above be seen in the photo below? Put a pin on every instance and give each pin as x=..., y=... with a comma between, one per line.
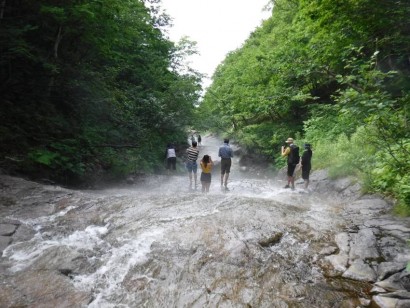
x=171, y=158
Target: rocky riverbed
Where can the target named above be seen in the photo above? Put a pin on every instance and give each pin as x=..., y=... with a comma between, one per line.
x=375, y=245
x=156, y=244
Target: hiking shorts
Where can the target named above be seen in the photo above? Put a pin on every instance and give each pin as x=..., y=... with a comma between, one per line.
x=191, y=166
x=226, y=165
x=305, y=173
x=291, y=169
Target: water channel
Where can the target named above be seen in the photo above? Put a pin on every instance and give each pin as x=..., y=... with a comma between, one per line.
x=157, y=244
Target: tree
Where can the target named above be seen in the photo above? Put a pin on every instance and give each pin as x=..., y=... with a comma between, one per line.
x=83, y=82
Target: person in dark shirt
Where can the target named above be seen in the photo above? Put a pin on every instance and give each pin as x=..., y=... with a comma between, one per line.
x=306, y=164
x=226, y=154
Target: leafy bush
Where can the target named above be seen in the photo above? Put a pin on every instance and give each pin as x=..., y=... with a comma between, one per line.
x=60, y=157
x=390, y=176
x=343, y=156
x=327, y=123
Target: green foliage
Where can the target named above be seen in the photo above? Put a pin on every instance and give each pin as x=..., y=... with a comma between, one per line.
x=327, y=123
x=392, y=173
x=85, y=84
x=343, y=155
x=95, y=85
x=44, y=157
x=61, y=158
x=408, y=267
x=334, y=72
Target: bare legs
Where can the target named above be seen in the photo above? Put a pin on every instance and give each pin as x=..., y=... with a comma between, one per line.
x=205, y=186
x=190, y=179
x=291, y=180
x=306, y=183
x=224, y=179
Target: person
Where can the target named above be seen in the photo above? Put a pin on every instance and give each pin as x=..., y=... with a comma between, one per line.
x=192, y=155
x=199, y=139
x=226, y=154
x=171, y=157
x=306, y=164
x=206, y=166
x=292, y=153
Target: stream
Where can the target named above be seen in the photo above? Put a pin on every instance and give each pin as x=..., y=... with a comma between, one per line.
x=155, y=243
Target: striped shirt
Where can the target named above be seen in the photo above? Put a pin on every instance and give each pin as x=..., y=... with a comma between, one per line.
x=192, y=154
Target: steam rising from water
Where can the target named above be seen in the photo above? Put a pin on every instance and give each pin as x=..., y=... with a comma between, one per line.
x=158, y=244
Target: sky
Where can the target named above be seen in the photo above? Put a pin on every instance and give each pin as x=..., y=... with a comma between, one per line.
x=218, y=27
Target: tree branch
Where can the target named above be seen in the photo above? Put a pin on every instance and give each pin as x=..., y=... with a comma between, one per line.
x=116, y=146
x=57, y=42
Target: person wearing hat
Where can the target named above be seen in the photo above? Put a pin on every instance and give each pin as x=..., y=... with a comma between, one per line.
x=306, y=164
x=291, y=151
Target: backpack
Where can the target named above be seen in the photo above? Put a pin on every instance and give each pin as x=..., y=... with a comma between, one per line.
x=294, y=157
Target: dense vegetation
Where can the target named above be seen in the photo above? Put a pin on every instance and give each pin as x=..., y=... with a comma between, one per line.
x=335, y=73
x=90, y=87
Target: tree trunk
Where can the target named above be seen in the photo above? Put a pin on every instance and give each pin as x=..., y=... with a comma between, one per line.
x=57, y=42
x=55, y=49
x=2, y=8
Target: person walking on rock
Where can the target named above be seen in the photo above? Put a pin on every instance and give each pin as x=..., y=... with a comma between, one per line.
x=226, y=154
x=306, y=164
x=206, y=166
x=291, y=151
x=192, y=155
x=171, y=158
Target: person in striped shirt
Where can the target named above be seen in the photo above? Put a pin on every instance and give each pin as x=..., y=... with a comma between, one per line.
x=192, y=155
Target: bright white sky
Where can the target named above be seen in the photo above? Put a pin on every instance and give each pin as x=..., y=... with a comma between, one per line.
x=218, y=27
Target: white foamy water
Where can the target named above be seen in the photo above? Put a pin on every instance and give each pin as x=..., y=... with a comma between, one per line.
x=26, y=253
x=106, y=282
x=158, y=244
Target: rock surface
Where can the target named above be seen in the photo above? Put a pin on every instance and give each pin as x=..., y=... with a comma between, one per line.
x=371, y=249
x=376, y=249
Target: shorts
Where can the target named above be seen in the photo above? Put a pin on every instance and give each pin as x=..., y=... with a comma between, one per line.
x=206, y=177
x=226, y=165
x=171, y=163
x=305, y=173
x=191, y=166
x=291, y=169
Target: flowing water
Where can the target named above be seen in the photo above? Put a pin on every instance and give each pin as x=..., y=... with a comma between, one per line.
x=158, y=244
